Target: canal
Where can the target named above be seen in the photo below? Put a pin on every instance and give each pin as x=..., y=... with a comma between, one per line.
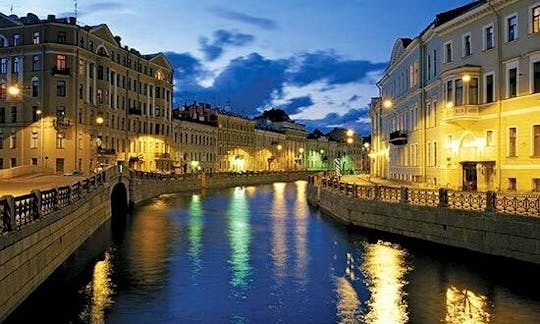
x=262, y=255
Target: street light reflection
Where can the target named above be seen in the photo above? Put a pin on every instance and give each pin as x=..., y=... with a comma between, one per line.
x=195, y=230
x=279, y=230
x=239, y=238
x=100, y=291
x=385, y=270
x=465, y=307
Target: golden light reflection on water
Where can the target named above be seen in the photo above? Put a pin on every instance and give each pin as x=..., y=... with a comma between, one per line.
x=348, y=303
x=465, y=307
x=100, y=291
x=301, y=213
x=279, y=230
x=195, y=230
x=239, y=238
x=384, y=268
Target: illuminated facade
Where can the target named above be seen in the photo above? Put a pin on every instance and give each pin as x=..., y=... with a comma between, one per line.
x=84, y=98
x=459, y=103
x=236, y=142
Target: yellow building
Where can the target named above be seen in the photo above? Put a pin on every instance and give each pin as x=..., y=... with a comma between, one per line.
x=73, y=97
x=460, y=103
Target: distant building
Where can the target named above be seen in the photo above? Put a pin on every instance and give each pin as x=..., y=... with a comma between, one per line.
x=459, y=103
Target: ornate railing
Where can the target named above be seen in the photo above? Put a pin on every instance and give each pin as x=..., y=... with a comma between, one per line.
x=519, y=204
x=16, y=212
x=506, y=203
x=467, y=200
x=423, y=197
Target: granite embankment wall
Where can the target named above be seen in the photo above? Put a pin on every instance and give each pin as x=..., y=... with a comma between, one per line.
x=493, y=233
x=144, y=185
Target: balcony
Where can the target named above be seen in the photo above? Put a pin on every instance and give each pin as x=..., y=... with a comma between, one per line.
x=135, y=111
x=398, y=138
x=460, y=114
x=162, y=156
x=62, y=123
x=61, y=72
x=106, y=151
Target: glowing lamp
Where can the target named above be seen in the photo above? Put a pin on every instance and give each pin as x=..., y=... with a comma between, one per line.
x=14, y=90
x=387, y=103
x=99, y=120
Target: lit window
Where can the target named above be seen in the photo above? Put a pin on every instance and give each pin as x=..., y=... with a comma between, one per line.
x=34, y=140
x=536, y=19
x=36, y=38
x=61, y=62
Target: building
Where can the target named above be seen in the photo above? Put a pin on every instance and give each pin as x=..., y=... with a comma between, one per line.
x=73, y=97
x=459, y=103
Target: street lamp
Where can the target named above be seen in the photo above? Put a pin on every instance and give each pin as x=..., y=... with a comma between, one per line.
x=14, y=90
x=350, y=140
x=350, y=133
x=387, y=103
x=99, y=120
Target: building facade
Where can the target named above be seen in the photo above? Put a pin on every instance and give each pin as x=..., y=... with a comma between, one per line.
x=459, y=103
x=82, y=98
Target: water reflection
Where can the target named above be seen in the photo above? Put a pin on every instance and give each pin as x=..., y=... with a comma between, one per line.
x=385, y=268
x=195, y=229
x=99, y=292
x=301, y=213
x=279, y=230
x=239, y=239
x=348, y=302
x=465, y=307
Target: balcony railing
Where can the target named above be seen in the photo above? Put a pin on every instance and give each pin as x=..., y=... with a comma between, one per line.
x=60, y=71
x=61, y=123
x=462, y=113
x=135, y=111
x=106, y=151
x=398, y=138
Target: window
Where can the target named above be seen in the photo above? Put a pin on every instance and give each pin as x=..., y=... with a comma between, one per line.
x=2, y=115
x=61, y=37
x=34, y=161
x=489, y=138
x=35, y=115
x=466, y=45
x=13, y=140
x=91, y=71
x=536, y=185
x=34, y=140
x=512, y=139
x=99, y=95
x=61, y=88
x=100, y=72
x=448, y=52
x=435, y=154
x=459, y=92
x=13, y=162
x=473, y=91
x=434, y=62
x=16, y=40
x=511, y=28
x=35, y=63
x=535, y=19
x=61, y=62
x=489, y=88
x=81, y=91
x=536, y=140
x=536, y=77
x=35, y=88
x=512, y=83
x=13, y=114
x=36, y=38
x=60, y=112
x=16, y=65
x=512, y=184
x=489, y=37
x=3, y=65
x=1, y=140
x=60, y=141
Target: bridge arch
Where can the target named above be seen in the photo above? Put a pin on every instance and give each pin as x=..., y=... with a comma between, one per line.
x=119, y=200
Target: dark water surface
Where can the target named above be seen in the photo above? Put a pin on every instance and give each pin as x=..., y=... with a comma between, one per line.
x=262, y=255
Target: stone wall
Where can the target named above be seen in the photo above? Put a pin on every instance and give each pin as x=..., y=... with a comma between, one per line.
x=29, y=255
x=498, y=234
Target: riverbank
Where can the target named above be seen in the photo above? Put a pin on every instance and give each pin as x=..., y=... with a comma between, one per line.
x=463, y=221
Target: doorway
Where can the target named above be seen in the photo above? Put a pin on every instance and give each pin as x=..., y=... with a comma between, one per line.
x=470, y=180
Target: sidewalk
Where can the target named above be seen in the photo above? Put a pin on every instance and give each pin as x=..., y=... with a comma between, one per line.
x=25, y=184
x=367, y=180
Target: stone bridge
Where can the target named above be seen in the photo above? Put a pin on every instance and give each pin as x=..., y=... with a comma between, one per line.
x=40, y=230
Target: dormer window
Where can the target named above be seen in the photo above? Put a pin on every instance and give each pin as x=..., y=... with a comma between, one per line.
x=36, y=39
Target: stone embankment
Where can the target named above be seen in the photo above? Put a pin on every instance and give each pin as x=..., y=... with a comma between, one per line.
x=497, y=224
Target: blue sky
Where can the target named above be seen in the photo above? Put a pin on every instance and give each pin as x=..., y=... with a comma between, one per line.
x=317, y=59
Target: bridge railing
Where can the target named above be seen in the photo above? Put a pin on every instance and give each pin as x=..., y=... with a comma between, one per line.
x=16, y=212
x=500, y=202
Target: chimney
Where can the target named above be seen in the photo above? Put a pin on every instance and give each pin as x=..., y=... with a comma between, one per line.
x=72, y=20
x=51, y=18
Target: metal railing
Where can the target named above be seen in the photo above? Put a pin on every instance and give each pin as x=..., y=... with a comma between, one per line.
x=15, y=212
x=505, y=203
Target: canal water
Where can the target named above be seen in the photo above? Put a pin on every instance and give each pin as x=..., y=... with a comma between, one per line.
x=262, y=255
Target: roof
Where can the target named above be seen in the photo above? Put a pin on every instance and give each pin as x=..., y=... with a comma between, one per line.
x=446, y=16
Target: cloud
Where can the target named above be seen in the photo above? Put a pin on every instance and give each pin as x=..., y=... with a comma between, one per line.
x=223, y=38
x=356, y=119
x=327, y=65
x=263, y=23
x=294, y=105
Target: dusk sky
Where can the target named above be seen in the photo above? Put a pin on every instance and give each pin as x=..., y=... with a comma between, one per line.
x=316, y=59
